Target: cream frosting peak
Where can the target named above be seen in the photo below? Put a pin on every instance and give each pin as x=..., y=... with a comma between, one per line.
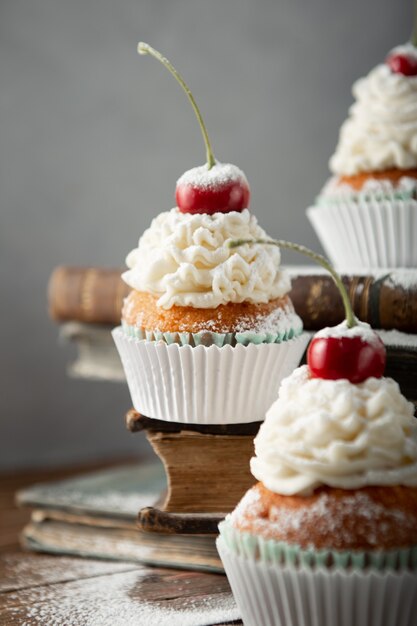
x=381, y=130
x=184, y=259
x=335, y=433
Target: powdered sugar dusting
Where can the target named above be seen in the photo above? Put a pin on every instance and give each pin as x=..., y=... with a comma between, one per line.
x=18, y=572
x=281, y=319
x=404, y=278
x=397, y=339
x=115, y=600
x=334, y=523
x=219, y=175
x=362, y=330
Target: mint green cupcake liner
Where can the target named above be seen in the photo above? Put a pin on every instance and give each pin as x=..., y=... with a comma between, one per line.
x=271, y=552
x=208, y=338
x=281, y=595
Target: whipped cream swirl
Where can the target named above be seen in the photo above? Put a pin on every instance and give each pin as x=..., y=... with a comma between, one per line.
x=381, y=130
x=184, y=260
x=335, y=433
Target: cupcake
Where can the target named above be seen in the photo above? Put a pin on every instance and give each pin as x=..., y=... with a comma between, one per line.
x=206, y=326
x=328, y=536
x=366, y=215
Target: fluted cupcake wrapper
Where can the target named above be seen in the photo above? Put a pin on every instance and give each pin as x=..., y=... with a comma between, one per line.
x=369, y=195
x=279, y=553
x=367, y=233
x=209, y=338
x=206, y=385
x=277, y=595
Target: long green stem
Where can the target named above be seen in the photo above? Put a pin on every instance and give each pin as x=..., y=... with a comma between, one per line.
x=144, y=48
x=321, y=260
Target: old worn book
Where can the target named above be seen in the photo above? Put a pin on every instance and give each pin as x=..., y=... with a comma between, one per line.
x=95, y=515
x=86, y=294
x=207, y=466
x=386, y=299
x=95, y=357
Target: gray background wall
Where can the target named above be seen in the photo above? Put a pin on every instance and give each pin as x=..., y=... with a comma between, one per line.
x=93, y=138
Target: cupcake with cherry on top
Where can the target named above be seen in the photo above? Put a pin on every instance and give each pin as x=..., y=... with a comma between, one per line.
x=204, y=321
x=329, y=533
x=366, y=215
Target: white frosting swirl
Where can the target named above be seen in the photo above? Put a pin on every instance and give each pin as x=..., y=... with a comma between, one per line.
x=184, y=259
x=335, y=433
x=381, y=130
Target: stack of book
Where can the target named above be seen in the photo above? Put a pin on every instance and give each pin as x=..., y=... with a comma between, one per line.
x=95, y=515
x=167, y=514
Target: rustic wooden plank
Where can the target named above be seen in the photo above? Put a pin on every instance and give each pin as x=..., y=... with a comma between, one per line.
x=143, y=596
x=44, y=590
x=22, y=570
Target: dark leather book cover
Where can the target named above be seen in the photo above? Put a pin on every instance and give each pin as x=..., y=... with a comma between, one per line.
x=387, y=300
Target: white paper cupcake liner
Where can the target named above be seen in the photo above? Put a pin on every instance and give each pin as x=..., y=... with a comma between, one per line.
x=269, y=595
x=206, y=385
x=367, y=233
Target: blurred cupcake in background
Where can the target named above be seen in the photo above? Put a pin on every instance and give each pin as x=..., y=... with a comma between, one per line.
x=366, y=215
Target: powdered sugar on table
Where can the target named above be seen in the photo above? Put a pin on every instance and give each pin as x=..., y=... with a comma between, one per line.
x=116, y=601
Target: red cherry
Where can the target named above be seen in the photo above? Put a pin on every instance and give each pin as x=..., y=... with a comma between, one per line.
x=402, y=64
x=232, y=196
x=220, y=189
x=352, y=357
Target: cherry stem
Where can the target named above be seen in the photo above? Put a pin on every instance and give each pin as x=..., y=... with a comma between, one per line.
x=318, y=258
x=414, y=33
x=144, y=48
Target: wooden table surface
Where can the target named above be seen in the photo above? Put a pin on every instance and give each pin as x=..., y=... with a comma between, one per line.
x=49, y=590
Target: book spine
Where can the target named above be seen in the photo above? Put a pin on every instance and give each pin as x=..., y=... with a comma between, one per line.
x=83, y=294
x=96, y=295
x=198, y=477
x=378, y=301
